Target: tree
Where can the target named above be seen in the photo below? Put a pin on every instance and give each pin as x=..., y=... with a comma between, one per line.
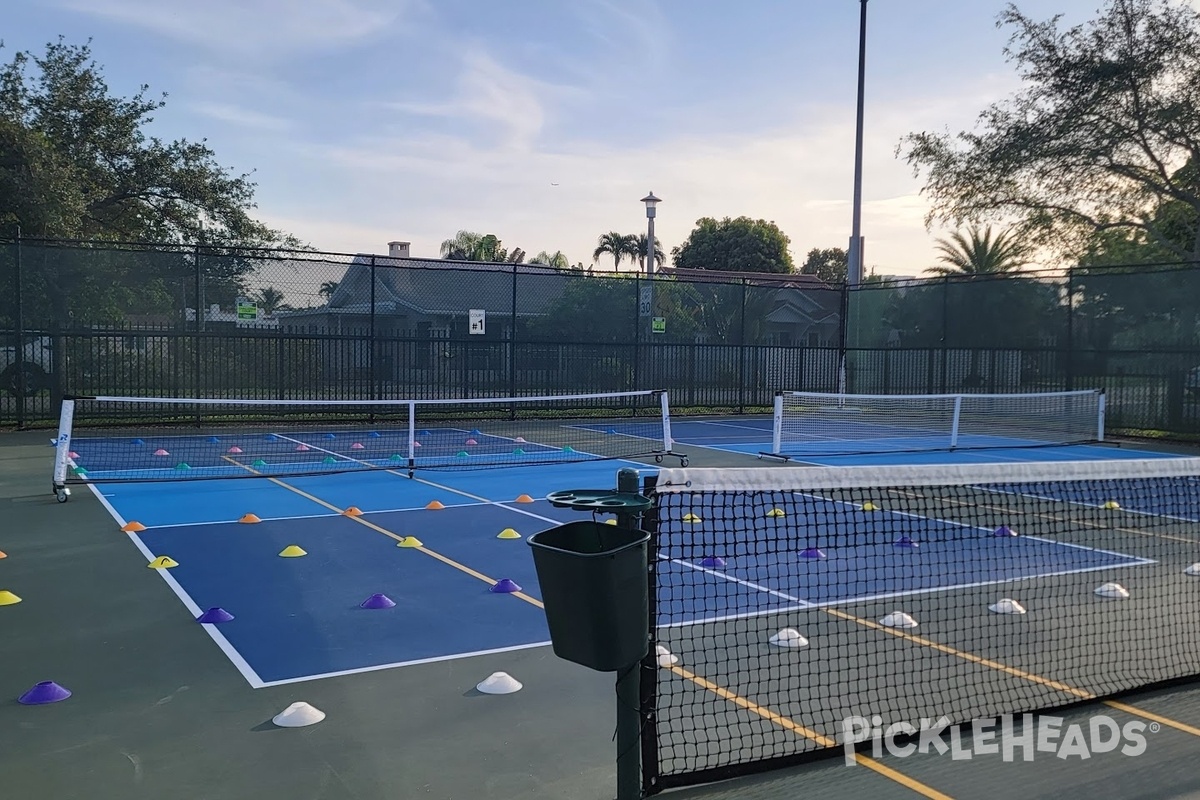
x=617, y=245
x=328, y=288
x=659, y=255
x=270, y=300
x=77, y=163
x=1090, y=143
x=471, y=246
x=977, y=253
x=557, y=260
x=830, y=265
x=736, y=245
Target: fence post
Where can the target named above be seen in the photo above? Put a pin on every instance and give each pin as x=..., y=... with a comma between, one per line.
x=843, y=377
x=371, y=375
x=637, y=331
x=1070, y=337
x=742, y=354
x=199, y=326
x=945, y=323
x=512, y=343
x=20, y=326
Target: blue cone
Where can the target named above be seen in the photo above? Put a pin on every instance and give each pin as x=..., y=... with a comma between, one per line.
x=905, y=541
x=505, y=586
x=214, y=616
x=712, y=562
x=43, y=693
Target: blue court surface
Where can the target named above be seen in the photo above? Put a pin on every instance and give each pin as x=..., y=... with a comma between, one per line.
x=302, y=618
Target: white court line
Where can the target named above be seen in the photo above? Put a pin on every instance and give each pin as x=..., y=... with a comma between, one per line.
x=228, y=649
x=413, y=663
x=739, y=581
x=1133, y=511
x=294, y=516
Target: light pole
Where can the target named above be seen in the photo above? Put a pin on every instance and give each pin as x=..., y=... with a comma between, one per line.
x=855, y=271
x=651, y=201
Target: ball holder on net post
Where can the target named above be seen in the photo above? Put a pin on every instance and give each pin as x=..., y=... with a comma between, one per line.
x=594, y=585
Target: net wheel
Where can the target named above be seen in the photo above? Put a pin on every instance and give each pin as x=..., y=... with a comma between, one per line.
x=63, y=495
x=683, y=462
x=658, y=459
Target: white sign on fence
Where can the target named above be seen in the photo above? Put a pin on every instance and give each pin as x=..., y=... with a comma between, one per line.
x=476, y=318
x=646, y=302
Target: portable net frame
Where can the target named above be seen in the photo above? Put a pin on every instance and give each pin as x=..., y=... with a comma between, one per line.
x=167, y=439
x=787, y=602
x=812, y=423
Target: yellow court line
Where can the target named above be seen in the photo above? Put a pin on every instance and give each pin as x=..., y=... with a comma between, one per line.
x=422, y=549
x=791, y=725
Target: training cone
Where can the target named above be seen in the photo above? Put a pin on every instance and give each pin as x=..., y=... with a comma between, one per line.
x=298, y=715
x=898, y=619
x=789, y=637
x=905, y=541
x=520, y=440
x=357, y=446
x=3, y=554
x=43, y=693
x=214, y=616
x=665, y=657
x=1114, y=591
x=328, y=460
x=499, y=683
x=710, y=562
x=1007, y=606
x=811, y=552
x=373, y=435
x=1193, y=570
x=183, y=465
x=72, y=454
x=409, y=541
x=249, y=519
x=331, y=436
x=352, y=511
x=7, y=598
x=133, y=527
x=508, y=533
x=435, y=505
x=518, y=452
x=135, y=441
x=470, y=441
x=397, y=456
x=292, y=551
x=475, y=432
x=869, y=506
x=610, y=522
x=505, y=586
x=568, y=449
x=302, y=448
x=524, y=498
x=161, y=452
x=378, y=601
x=1112, y=505
x=234, y=450
x=213, y=440
x=776, y=512
x=163, y=562
x=425, y=433
x=462, y=454
x=691, y=518
x=416, y=444
x=1004, y=532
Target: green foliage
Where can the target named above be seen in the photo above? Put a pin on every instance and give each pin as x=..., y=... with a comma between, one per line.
x=659, y=256
x=830, y=265
x=617, y=245
x=977, y=253
x=1087, y=145
x=735, y=245
x=604, y=310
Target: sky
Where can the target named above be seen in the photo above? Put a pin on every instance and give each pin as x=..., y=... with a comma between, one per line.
x=545, y=122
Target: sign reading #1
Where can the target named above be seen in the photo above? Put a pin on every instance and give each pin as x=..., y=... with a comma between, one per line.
x=476, y=319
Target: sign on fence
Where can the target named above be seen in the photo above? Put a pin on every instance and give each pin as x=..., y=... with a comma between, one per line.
x=646, y=301
x=476, y=318
x=658, y=325
x=247, y=311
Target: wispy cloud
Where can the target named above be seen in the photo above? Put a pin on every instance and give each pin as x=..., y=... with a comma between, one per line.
x=242, y=117
x=257, y=27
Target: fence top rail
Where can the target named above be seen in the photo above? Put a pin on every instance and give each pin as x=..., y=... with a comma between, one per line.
x=227, y=401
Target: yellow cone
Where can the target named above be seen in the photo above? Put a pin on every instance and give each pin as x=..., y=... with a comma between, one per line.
x=508, y=533
x=1112, y=505
x=524, y=499
x=434, y=505
x=352, y=511
x=133, y=527
x=292, y=551
x=869, y=506
x=776, y=512
x=7, y=598
x=610, y=522
x=163, y=562
x=249, y=519
x=691, y=518
x=409, y=541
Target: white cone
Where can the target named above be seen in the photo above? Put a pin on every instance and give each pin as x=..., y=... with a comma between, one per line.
x=298, y=715
x=665, y=657
x=789, y=637
x=1113, y=590
x=499, y=683
x=1007, y=606
x=1194, y=569
x=898, y=619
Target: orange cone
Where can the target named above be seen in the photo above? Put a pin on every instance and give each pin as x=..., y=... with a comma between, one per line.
x=249, y=519
x=133, y=527
x=524, y=499
x=352, y=511
x=434, y=505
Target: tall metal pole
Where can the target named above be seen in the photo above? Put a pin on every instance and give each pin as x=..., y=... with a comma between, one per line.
x=856, y=262
x=629, y=693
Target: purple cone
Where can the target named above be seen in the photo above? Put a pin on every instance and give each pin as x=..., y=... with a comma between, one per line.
x=214, y=616
x=1004, y=530
x=811, y=552
x=379, y=601
x=505, y=586
x=712, y=562
x=905, y=541
x=43, y=693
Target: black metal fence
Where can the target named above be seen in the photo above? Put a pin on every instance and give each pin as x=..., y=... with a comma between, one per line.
x=87, y=318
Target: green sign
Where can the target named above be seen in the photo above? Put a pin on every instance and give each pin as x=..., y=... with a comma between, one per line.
x=658, y=325
x=247, y=310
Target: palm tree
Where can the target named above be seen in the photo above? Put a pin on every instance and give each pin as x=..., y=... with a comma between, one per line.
x=270, y=300
x=659, y=255
x=557, y=260
x=977, y=253
x=465, y=246
x=618, y=245
x=327, y=289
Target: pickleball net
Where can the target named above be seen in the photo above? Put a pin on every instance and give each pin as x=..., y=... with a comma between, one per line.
x=814, y=424
x=793, y=606
x=141, y=439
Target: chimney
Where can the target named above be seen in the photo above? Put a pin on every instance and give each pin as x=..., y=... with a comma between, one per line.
x=399, y=249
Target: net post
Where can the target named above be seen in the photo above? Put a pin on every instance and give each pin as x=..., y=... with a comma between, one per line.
x=668, y=442
x=777, y=425
x=954, y=423
x=1100, y=416
x=62, y=445
x=629, y=692
x=412, y=437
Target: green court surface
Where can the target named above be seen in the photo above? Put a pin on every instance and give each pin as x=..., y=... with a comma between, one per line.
x=159, y=711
